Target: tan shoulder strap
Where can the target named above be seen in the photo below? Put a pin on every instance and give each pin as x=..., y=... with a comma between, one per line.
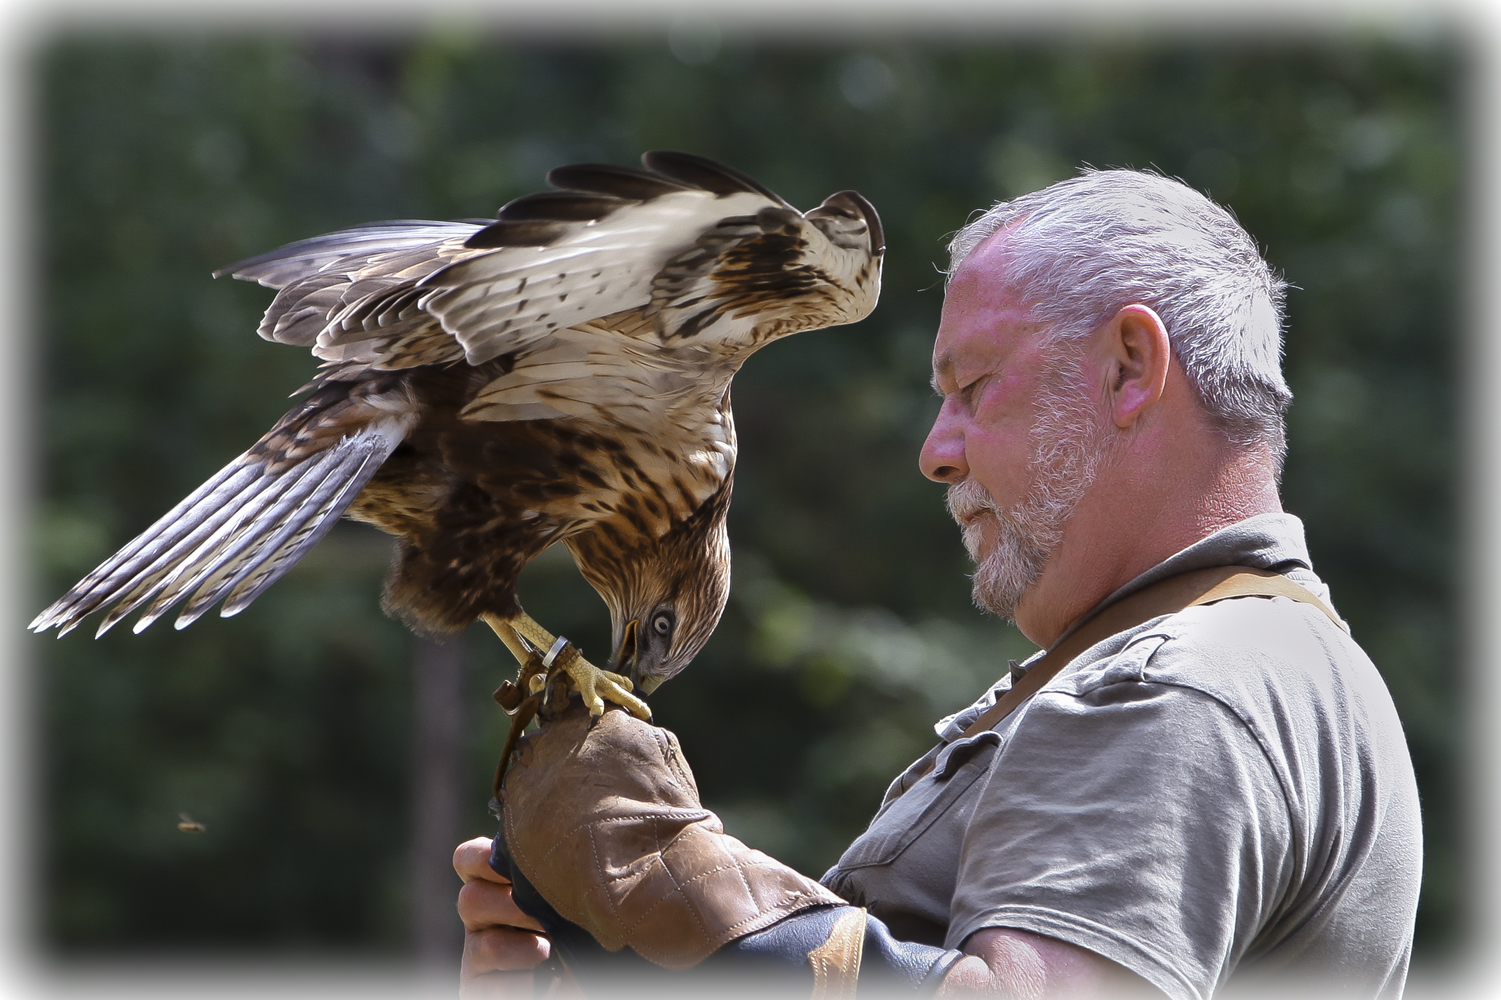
x=1165, y=597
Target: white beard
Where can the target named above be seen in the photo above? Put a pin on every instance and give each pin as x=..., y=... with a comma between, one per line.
x=1068, y=445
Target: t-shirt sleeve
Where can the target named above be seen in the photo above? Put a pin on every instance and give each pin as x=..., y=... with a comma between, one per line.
x=1141, y=821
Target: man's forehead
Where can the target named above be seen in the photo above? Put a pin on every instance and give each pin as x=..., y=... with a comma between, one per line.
x=984, y=279
x=983, y=320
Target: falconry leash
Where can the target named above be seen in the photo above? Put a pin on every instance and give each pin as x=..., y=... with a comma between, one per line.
x=533, y=692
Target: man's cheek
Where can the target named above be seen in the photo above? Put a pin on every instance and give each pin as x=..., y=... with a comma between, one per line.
x=1007, y=483
x=998, y=458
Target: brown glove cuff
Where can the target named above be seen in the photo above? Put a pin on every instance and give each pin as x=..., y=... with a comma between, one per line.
x=623, y=848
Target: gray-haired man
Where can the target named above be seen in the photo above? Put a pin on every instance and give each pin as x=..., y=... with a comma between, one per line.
x=1209, y=782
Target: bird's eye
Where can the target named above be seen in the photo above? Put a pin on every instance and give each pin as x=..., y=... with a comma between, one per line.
x=662, y=624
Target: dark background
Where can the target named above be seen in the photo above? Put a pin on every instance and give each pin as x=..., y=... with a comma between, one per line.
x=290, y=731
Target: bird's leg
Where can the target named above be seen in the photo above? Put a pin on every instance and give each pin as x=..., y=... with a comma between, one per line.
x=595, y=685
x=528, y=658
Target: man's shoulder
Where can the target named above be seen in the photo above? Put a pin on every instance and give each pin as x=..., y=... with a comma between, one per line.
x=1256, y=647
x=1283, y=667
x=1228, y=644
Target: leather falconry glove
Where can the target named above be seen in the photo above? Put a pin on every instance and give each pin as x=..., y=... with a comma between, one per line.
x=605, y=822
x=604, y=831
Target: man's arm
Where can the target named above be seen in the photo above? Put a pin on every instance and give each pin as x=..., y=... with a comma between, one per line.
x=1017, y=964
x=757, y=911
x=500, y=948
x=1001, y=962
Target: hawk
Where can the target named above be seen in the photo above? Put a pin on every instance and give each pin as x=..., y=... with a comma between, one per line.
x=491, y=387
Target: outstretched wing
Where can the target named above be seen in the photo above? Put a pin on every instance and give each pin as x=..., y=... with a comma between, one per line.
x=240, y=531
x=749, y=280
x=397, y=294
x=607, y=237
x=745, y=281
x=319, y=277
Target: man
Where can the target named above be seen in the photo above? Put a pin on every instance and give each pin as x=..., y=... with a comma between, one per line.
x=1199, y=796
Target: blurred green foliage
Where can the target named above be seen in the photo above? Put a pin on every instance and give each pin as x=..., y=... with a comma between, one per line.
x=286, y=730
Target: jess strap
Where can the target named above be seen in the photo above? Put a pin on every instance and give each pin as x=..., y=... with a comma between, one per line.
x=1165, y=597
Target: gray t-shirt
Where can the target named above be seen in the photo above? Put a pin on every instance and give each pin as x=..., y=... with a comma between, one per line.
x=1223, y=791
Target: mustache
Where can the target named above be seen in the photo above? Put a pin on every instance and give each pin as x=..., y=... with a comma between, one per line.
x=967, y=500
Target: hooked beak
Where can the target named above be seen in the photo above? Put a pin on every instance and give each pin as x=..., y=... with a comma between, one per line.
x=624, y=661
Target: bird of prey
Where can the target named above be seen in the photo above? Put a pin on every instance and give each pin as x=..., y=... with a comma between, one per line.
x=490, y=387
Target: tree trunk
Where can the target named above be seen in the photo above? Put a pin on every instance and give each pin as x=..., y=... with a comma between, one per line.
x=438, y=755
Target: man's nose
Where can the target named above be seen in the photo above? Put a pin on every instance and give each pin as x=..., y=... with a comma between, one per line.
x=942, y=457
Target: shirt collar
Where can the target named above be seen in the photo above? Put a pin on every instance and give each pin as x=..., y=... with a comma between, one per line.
x=1267, y=541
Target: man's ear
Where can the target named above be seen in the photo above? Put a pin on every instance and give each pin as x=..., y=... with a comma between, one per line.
x=1138, y=354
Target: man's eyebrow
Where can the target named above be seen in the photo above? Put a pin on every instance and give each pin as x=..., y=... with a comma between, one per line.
x=941, y=366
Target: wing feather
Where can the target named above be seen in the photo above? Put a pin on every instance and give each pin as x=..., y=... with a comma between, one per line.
x=627, y=183
x=142, y=577
x=316, y=278
x=284, y=265
x=304, y=517
x=702, y=172
x=516, y=296
x=550, y=261
x=181, y=519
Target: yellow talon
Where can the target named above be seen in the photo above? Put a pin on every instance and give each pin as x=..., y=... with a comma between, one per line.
x=527, y=641
x=592, y=683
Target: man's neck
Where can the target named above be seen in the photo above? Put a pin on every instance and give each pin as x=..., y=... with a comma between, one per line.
x=1130, y=522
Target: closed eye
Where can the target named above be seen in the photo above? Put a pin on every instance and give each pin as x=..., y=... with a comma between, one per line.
x=967, y=394
x=963, y=393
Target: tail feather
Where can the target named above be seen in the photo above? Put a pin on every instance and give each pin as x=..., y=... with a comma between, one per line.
x=236, y=535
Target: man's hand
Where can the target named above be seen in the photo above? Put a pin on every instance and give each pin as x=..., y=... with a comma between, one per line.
x=1018, y=964
x=500, y=944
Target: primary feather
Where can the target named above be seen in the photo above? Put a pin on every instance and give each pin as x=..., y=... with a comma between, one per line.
x=489, y=388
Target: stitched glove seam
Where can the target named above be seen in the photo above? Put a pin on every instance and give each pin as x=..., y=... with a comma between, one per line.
x=590, y=824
